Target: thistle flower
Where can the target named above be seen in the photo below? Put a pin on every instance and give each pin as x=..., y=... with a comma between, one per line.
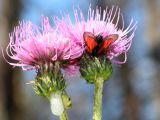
x=47, y=51
x=103, y=41
x=101, y=23
x=32, y=46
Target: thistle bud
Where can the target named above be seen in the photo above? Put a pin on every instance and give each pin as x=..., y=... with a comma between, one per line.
x=93, y=69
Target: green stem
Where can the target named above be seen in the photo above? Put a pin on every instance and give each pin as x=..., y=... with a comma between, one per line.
x=64, y=116
x=97, y=109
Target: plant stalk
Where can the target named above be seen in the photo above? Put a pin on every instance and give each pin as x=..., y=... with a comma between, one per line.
x=97, y=109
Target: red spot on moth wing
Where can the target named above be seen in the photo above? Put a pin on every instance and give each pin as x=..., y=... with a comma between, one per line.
x=90, y=41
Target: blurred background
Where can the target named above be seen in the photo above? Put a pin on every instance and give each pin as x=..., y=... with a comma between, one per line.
x=133, y=92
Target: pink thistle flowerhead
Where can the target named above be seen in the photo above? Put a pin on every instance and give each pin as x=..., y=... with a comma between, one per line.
x=100, y=32
x=33, y=46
